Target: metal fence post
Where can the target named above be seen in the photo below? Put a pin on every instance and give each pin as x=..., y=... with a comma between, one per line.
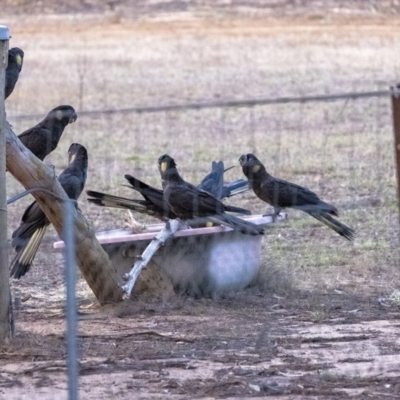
x=6, y=318
x=70, y=277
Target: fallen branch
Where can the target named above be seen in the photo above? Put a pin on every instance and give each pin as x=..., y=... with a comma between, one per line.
x=109, y=365
x=132, y=335
x=168, y=231
x=105, y=365
x=56, y=365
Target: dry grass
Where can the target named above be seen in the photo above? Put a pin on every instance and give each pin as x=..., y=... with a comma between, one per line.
x=341, y=150
x=322, y=319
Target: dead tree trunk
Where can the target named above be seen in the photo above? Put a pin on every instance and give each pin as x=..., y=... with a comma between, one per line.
x=6, y=320
x=92, y=260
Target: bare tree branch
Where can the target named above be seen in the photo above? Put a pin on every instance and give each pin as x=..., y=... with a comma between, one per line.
x=168, y=231
x=93, y=262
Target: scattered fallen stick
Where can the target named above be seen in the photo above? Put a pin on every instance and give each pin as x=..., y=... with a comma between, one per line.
x=130, y=335
x=57, y=365
x=289, y=375
x=107, y=364
x=110, y=365
x=168, y=231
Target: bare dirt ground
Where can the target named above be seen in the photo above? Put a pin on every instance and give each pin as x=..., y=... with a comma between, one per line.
x=322, y=321
x=250, y=344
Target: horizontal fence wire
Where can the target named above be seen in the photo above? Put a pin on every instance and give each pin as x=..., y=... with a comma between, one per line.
x=229, y=103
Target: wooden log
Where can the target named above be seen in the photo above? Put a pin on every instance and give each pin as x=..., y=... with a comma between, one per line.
x=92, y=260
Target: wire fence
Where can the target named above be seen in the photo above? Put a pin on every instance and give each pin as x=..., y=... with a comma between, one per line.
x=301, y=137
x=70, y=268
x=341, y=150
x=318, y=318
x=224, y=104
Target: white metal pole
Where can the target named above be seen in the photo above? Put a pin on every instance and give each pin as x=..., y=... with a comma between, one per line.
x=6, y=320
